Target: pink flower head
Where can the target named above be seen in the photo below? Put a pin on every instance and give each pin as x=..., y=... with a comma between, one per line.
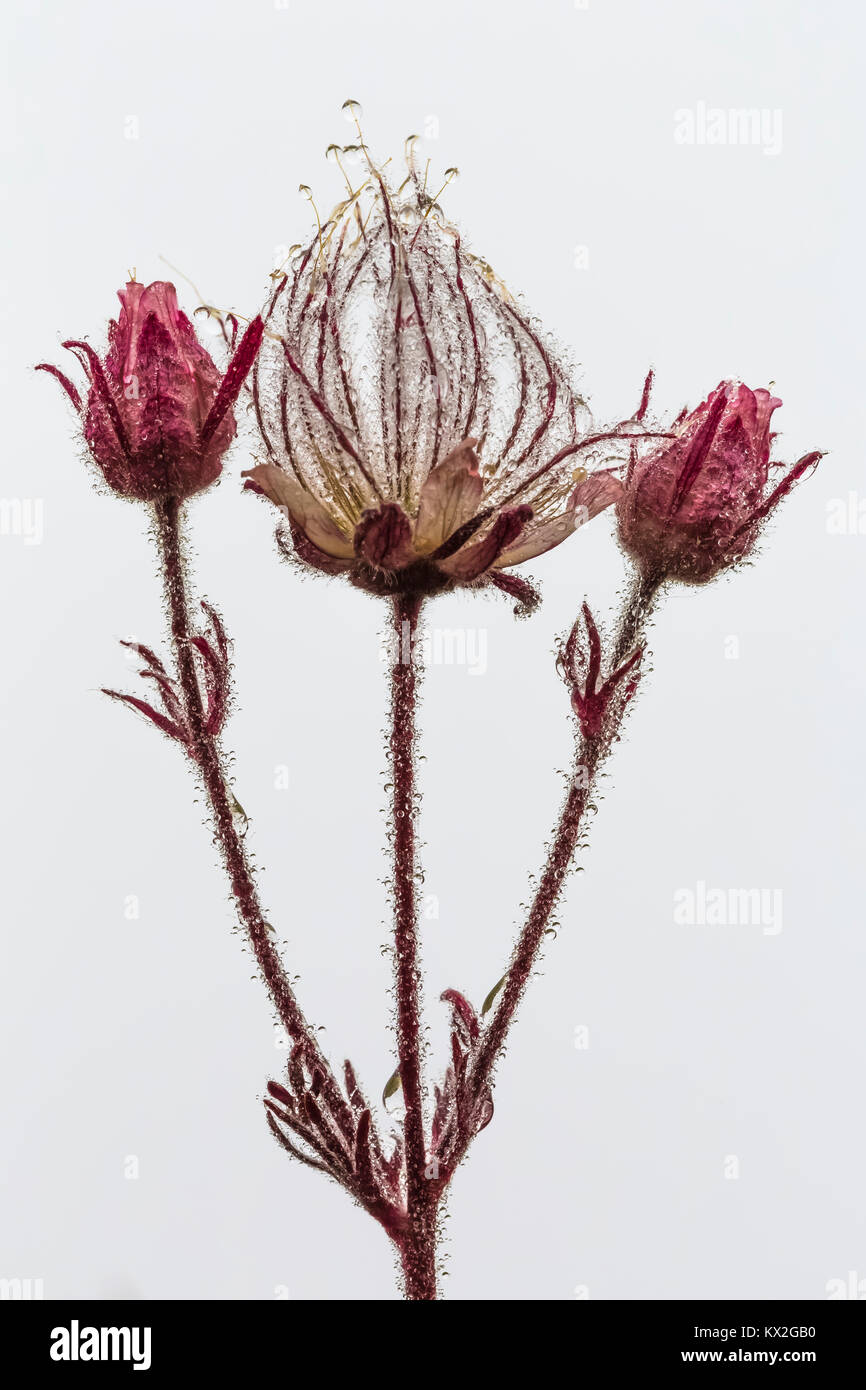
x=694, y=506
x=419, y=432
x=158, y=415
x=596, y=702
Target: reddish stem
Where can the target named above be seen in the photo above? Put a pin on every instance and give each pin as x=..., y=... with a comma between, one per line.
x=206, y=753
x=418, y=1243
x=532, y=935
x=591, y=753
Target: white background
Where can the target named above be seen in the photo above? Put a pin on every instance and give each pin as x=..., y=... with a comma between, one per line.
x=604, y=1168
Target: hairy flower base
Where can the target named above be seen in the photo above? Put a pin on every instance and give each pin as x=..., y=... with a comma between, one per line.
x=421, y=579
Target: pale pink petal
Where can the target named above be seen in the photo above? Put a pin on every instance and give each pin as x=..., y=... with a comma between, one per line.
x=311, y=554
x=596, y=492
x=589, y=498
x=449, y=497
x=304, y=509
x=535, y=540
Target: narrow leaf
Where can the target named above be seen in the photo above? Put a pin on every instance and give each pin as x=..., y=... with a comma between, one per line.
x=392, y=1085
x=485, y=1007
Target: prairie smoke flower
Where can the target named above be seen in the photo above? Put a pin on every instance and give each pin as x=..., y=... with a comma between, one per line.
x=694, y=507
x=420, y=432
x=158, y=414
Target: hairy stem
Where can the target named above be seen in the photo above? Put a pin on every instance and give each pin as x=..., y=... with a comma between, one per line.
x=206, y=753
x=591, y=754
x=418, y=1246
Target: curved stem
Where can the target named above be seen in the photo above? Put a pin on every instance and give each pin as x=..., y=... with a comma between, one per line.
x=418, y=1245
x=206, y=753
x=547, y=895
x=591, y=754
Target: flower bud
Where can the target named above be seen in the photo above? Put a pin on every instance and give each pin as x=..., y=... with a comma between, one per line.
x=695, y=506
x=158, y=414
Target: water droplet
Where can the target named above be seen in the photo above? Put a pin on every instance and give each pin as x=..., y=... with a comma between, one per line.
x=353, y=110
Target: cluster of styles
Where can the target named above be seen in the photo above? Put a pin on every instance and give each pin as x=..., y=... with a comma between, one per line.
x=418, y=434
